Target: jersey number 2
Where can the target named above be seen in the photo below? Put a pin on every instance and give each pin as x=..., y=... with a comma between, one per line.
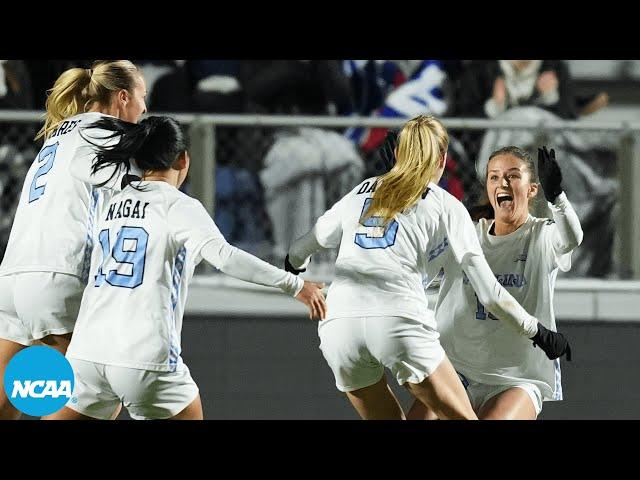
x=129, y=248
x=46, y=155
x=370, y=240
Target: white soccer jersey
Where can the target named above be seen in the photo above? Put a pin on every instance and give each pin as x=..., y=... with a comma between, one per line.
x=526, y=263
x=378, y=270
x=146, y=249
x=53, y=221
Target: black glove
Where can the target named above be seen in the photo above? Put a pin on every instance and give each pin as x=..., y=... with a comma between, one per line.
x=290, y=268
x=549, y=174
x=388, y=149
x=553, y=343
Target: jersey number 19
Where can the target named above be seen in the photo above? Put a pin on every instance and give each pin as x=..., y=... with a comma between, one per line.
x=130, y=248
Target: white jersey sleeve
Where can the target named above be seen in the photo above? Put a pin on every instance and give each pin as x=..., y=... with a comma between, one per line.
x=191, y=225
x=326, y=233
x=562, y=235
x=496, y=299
x=461, y=233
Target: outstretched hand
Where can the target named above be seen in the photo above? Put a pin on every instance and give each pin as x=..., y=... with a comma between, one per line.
x=554, y=344
x=549, y=173
x=311, y=295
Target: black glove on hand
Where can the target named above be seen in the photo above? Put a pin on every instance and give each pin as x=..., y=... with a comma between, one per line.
x=553, y=343
x=290, y=268
x=549, y=173
x=388, y=149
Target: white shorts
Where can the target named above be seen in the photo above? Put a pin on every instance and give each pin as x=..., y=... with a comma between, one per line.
x=99, y=389
x=480, y=393
x=359, y=348
x=36, y=304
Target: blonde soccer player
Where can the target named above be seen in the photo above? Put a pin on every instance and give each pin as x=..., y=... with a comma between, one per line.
x=150, y=236
x=503, y=377
x=389, y=231
x=44, y=269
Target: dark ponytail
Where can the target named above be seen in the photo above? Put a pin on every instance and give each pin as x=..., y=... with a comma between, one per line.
x=154, y=143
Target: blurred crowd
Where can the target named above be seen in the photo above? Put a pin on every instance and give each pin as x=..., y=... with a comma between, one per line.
x=262, y=172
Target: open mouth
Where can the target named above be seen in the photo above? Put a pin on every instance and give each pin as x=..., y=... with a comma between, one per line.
x=503, y=197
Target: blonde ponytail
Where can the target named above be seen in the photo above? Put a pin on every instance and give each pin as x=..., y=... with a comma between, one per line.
x=66, y=99
x=422, y=142
x=77, y=89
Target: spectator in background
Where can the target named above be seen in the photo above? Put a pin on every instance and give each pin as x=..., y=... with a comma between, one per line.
x=489, y=88
x=393, y=89
x=296, y=87
x=165, y=90
x=309, y=166
x=215, y=86
x=43, y=74
x=15, y=86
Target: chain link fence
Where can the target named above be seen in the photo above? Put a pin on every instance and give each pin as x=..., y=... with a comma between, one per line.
x=266, y=179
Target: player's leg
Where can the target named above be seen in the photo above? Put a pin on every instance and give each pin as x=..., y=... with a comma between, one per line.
x=516, y=403
x=376, y=402
x=192, y=412
x=7, y=350
x=357, y=373
x=13, y=338
x=443, y=393
x=411, y=350
x=419, y=411
x=59, y=342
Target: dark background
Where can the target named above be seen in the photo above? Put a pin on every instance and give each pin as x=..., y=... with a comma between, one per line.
x=272, y=368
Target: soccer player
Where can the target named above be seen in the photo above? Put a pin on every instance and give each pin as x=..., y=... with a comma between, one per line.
x=390, y=230
x=503, y=377
x=44, y=269
x=150, y=237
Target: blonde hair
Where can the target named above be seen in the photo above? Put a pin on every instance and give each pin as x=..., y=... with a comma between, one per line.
x=422, y=142
x=77, y=89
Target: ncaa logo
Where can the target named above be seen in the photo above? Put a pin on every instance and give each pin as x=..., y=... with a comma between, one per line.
x=38, y=381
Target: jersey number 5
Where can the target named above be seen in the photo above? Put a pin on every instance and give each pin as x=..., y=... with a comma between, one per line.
x=375, y=238
x=130, y=248
x=46, y=155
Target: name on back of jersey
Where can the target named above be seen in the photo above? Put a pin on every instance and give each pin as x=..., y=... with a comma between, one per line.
x=367, y=187
x=65, y=127
x=127, y=209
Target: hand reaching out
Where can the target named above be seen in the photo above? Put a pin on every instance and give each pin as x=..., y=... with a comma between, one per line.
x=311, y=295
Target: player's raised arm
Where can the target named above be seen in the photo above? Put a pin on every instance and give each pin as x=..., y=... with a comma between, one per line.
x=567, y=232
x=191, y=223
x=466, y=248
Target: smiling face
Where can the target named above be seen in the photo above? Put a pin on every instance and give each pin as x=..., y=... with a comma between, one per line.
x=509, y=188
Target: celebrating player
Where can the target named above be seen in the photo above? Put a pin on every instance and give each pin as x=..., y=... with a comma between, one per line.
x=150, y=237
x=503, y=377
x=44, y=269
x=391, y=231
